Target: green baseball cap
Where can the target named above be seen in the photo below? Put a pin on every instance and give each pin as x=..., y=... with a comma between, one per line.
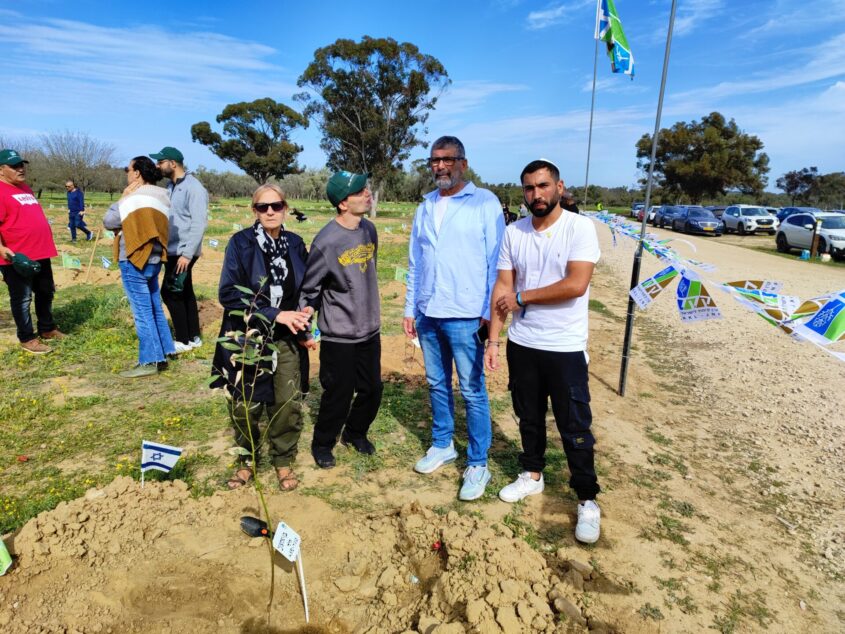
x=24, y=266
x=168, y=154
x=10, y=157
x=341, y=184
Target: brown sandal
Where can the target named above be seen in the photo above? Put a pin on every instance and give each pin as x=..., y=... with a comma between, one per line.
x=287, y=479
x=237, y=480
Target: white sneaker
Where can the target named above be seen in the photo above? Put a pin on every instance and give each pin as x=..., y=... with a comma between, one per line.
x=589, y=522
x=196, y=342
x=179, y=347
x=435, y=458
x=523, y=486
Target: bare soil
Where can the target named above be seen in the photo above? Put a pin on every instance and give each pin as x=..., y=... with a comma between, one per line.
x=723, y=500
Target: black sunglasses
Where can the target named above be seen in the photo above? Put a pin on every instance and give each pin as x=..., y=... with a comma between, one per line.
x=263, y=207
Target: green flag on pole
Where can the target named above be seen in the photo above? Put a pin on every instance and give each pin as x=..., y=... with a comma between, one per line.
x=609, y=29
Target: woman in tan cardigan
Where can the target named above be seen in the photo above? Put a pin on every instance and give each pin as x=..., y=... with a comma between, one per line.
x=141, y=216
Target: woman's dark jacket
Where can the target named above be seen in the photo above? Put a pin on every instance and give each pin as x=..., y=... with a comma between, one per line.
x=245, y=265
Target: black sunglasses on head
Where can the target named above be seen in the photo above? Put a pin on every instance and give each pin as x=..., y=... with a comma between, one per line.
x=263, y=207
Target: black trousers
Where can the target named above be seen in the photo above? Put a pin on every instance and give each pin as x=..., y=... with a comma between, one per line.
x=21, y=290
x=347, y=371
x=536, y=375
x=182, y=306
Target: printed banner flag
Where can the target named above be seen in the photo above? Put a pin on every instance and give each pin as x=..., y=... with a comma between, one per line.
x=70, y=262
x=756, y=285
x=609, y=29
x=810, y=307
x=159, y=457
x=828, y=324
x=212, y=242
x=694, y=302
x=646, y=291
x=400, y=274
x=106, y=262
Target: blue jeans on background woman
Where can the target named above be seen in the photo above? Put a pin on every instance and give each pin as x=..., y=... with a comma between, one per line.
x=142, y=289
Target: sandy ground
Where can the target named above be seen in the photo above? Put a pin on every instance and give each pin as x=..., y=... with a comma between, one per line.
x=723, y=502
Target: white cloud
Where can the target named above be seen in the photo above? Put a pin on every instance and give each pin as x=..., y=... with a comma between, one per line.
x=785, y=17
x=693, y=13
x=552, y=16
x=466, y=95
x=85, y=65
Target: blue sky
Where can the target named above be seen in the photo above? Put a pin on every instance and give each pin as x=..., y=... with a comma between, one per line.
x=138, y=75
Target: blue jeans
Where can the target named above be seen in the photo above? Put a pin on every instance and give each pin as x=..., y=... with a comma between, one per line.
x=443, y=341
x=75, y=221
x=154, y=338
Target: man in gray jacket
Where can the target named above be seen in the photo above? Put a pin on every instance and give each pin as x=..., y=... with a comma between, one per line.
x=188, y=221
x=341, y=284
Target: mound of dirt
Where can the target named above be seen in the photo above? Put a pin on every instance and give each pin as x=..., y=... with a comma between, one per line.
x=127, y=559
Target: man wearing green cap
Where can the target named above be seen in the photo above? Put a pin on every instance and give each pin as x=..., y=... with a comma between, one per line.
x=25, y=240
x=340, y=283
x=188, y=221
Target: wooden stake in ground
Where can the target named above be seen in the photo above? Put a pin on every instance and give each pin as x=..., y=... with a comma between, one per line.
x=91, y=259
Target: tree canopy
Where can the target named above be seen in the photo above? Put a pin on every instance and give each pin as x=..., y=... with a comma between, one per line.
x=371, y=99
x=256, y=137
x=706, y=158
x=807, y=185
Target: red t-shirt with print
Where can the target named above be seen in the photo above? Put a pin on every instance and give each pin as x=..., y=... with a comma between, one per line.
x=23, y=225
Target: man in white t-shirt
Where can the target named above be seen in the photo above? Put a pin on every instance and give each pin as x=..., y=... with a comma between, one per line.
x=545, y=265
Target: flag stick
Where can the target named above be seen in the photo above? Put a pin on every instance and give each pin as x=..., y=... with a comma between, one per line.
x=592, y=104
x=635, y=272
x=91, y=259
x=142, y=464
x=302, y=584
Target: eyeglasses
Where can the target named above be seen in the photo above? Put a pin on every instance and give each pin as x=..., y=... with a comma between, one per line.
x=263, y=207
x=448, y=161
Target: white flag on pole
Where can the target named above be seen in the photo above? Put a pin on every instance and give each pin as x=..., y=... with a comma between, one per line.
x=159, y=457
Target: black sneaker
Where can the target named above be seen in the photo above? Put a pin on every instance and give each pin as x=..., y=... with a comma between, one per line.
x=323, y=457
x=161, y=365
x=362, y=445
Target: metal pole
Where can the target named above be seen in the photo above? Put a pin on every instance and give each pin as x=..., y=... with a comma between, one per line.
x=635, y=272
x=590, y=135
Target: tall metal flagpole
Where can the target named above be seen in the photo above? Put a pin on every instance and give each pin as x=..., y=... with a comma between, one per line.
x=635, y=272
x=593, y=104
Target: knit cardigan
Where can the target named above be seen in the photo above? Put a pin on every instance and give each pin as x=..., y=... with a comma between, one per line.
x=144, y=218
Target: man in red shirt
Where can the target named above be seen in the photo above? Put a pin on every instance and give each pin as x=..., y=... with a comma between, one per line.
x=24, y=230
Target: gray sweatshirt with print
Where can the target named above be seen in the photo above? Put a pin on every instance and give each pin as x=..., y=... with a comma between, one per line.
x=341, y=282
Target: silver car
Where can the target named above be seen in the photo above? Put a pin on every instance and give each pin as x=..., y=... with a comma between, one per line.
x=749, y=219
x=796, y=232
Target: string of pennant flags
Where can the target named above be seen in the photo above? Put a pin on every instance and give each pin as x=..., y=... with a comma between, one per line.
x=819, y=320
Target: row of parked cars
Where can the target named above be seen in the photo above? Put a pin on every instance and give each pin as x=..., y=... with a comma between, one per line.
x=792, y=226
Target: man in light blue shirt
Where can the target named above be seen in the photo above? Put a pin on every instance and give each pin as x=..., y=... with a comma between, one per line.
x=452, y=258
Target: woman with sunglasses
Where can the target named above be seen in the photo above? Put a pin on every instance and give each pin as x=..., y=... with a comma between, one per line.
x=141, y=217
x=270, y=261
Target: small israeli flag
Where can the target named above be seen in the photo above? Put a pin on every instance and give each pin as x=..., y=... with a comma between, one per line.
x=212, y=242
x=106, y=262
x=157, y=456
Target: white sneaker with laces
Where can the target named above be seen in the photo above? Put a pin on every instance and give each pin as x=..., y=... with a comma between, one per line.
x=589, y=522
x=435, y=458
x=522, y=487
x=196, y=342
x=179, y=347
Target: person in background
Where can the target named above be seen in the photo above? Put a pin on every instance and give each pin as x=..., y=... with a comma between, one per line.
x=188, y=222
x=270, y=261
x=342, y=285
x=451, y=271
x=75, y=211
x=568, y=203
x=141, y=218
x=26, y=246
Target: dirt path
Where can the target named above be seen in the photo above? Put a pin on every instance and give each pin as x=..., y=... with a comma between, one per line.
x=723, y=503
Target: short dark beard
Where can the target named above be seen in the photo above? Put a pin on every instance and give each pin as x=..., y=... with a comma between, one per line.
x=549, y=207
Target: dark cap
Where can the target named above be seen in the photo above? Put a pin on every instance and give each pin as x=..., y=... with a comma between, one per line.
x=10, y=157
x=168, y=154
x=24, y=266
x=344, y=183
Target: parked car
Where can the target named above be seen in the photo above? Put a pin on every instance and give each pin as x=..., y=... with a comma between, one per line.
x=749, y=219
x=774, y=211
x=796, y=232
x=788, y=211
x=697, y=220
x=635, y=209
x=717, y=210
x=664, y=215
x=651, y=211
